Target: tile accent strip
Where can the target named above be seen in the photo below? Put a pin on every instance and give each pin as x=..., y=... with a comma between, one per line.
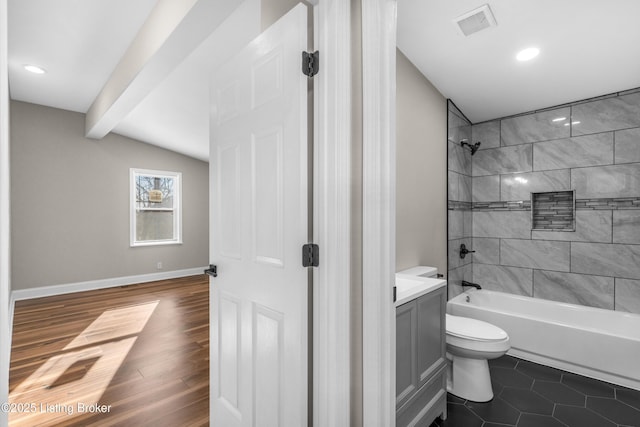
x=454, y=205
x=581, y=204
x=613, y=204
x=524, y=205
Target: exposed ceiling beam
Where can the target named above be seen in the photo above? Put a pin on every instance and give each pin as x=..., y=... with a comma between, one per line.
x=173, y=30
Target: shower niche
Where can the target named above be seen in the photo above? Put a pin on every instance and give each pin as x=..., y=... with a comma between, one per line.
x=553, y=211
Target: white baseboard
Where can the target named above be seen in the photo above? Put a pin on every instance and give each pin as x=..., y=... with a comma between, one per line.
x=47, y=291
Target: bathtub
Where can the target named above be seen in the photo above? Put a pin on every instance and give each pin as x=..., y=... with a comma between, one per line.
x=593, y=342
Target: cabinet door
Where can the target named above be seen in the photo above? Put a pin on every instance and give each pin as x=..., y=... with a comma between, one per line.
x=431, y=334
x=406, y=352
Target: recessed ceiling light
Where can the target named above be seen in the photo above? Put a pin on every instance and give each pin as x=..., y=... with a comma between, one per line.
x=527, y=54
x=35, y=69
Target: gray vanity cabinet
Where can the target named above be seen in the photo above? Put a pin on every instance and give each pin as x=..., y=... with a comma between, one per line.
x=421, y=383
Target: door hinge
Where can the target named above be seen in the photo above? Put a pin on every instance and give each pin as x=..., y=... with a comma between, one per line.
x=310, y=255
x=395, y=294
x=310, y=63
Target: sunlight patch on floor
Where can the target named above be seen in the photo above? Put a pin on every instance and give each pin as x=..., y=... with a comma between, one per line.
x=68, y=384
x=114, y=324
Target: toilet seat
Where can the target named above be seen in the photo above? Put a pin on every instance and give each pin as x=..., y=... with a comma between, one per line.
x=473, y=329
x=474, y=338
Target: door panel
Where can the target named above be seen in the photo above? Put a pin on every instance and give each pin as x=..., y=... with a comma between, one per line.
x=229, y=331
x=228, y=167
x=228, y=102
x=259, y=221
x=266, y=79
x=268, y=366
x=267, y=195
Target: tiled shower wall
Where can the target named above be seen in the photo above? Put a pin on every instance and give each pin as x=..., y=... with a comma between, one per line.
x=592, y=147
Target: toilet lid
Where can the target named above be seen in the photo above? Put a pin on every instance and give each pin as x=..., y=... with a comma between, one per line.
x=473, y=329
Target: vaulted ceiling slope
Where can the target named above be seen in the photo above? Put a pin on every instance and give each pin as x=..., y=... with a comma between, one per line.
x=140, y=68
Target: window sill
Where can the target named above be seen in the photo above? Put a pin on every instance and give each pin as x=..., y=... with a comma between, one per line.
x=155, y=243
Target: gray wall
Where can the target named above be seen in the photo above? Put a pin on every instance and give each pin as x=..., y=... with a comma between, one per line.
x=421, y=196
x=70, y=202
x=459, y=199
x=594, y=150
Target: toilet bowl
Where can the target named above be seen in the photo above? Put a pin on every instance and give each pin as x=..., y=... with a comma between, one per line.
x=470, y=344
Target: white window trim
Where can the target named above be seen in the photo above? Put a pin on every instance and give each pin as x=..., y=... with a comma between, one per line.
x=177, y=217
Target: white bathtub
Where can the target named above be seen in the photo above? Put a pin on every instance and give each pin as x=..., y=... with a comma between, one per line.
x=593, y=342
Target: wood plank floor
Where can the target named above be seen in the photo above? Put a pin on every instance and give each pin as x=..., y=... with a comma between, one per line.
x=134, y=355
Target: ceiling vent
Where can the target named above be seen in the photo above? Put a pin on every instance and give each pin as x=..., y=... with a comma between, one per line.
x=476, y=20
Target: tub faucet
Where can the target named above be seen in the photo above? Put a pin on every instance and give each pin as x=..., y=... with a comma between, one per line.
x=473, y=285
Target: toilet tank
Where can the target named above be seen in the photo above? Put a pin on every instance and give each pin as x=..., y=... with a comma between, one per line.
x=421, y=270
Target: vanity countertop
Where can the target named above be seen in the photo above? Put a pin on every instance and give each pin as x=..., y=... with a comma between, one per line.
x=410, y=287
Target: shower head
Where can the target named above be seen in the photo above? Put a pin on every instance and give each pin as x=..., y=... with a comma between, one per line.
x=472, y=147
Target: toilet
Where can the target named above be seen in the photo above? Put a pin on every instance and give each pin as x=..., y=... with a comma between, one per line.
x=470, y=344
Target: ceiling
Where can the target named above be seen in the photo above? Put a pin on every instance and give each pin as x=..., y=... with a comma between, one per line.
x=80, y=43
x=588, y=48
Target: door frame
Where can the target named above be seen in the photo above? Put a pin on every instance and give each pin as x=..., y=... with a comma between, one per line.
x=379, y=206
x=332, y=227
x=331, y=215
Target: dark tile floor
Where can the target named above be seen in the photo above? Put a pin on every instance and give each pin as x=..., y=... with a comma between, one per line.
x=530, y=395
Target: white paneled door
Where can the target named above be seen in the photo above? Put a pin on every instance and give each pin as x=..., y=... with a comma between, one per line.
x=259, y=219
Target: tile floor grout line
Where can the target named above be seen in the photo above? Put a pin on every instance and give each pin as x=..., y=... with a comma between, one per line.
x=592, y=390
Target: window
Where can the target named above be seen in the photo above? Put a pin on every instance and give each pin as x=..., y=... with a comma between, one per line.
x=155, y=207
